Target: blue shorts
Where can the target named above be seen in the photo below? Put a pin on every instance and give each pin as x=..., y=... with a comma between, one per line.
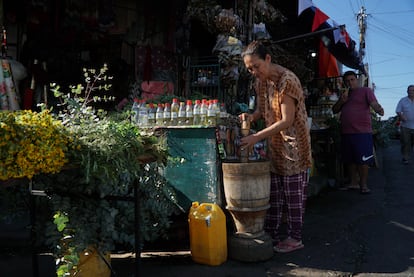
x=357, y=148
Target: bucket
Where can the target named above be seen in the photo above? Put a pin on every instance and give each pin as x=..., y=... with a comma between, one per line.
x=247, y=193
x=208, y=234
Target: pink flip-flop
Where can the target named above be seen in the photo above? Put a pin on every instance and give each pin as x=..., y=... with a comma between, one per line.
x=288, y=245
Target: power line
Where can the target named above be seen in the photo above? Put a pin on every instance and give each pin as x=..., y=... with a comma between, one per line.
x=378, y=4
x=394, y=12
x=393, y=75
x=395, y=33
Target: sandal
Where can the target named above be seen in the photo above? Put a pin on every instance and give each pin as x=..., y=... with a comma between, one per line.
x=350, y=187
x=365, y=191
x=288, y=245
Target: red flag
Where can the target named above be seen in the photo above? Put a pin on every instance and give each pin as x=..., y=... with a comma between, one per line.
x=341, y=35
x=319, y=18
x=345, y=36
x=328, y=67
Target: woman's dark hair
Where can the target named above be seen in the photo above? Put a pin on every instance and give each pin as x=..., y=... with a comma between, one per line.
x=255, y=48
x=410, y=86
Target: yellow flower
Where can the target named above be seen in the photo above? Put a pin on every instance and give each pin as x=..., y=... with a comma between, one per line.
x=32, y=143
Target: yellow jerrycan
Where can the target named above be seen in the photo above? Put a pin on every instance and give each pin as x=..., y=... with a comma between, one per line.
x=208, y=234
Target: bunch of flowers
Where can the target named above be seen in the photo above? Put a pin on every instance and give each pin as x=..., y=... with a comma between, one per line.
x=32, y=143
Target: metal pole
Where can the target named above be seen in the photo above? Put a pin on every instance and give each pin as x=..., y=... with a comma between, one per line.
x=137, y=231
x=35, y=263
x=308, y=34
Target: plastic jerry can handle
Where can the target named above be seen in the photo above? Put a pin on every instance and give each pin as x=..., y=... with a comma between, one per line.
x=208, y=221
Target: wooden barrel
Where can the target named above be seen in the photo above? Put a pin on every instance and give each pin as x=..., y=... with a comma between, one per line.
x=246, y=185
x=247, y=193
x=249, y=224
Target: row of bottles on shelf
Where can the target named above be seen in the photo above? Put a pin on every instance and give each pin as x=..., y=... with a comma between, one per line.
x=321, y=111
x=178, y=113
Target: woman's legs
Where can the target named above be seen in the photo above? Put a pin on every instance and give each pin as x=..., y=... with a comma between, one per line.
x=295, y=193
x=274, y=214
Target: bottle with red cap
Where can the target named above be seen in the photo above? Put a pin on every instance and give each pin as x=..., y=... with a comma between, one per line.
x=159, y=115
x=181, y=121
x=189, y=113
x=175, y=106
x=196, y=112
x=167, y=114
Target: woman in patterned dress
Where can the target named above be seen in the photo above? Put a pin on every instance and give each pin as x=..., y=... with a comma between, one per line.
x=281, y=103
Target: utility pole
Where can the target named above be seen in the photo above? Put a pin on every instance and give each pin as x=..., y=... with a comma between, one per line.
x=362, y=24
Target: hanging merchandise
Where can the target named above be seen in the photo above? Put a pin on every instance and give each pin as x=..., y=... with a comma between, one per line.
x=9, y=85
x=228, y=22
x=228, y=50
x=260, y=32
x=4, y=101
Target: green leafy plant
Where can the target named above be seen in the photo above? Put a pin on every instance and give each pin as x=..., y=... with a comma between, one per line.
x=92, y=199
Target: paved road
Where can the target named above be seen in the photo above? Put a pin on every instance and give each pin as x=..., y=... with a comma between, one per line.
x=345, y=234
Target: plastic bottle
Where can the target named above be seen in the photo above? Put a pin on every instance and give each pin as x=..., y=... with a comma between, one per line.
x=135, y=111
x=203, y=112
x=223, y=114
x=217, y=109
x=151, y=115
x=143, y=114
x=174, y=112
x=211, y=114
x=167, y=114
x=181, y=114
x=159, y=115
x=189, y=113
x=196, y=112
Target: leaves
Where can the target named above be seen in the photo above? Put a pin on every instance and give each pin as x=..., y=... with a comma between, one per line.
x=60, y=220
x=105, y=165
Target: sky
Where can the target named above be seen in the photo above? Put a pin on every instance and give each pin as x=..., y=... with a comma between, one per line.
x=389, y=39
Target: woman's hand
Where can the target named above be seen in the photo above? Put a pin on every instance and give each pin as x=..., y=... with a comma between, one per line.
x=249, y=141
